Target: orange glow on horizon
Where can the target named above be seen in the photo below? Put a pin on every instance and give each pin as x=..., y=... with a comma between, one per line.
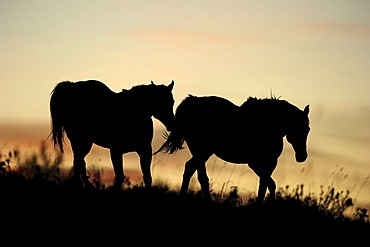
x=319, y=169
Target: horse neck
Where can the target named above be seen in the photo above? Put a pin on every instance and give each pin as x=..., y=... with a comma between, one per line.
x=287, y=113
x=138, y=100
x=276, y=115
x=280, y=113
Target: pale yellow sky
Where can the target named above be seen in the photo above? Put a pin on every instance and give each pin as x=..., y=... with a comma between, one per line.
x=307, y=52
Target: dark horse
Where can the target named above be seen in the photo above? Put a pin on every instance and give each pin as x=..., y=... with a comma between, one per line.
x=89, y=112
x=248, y=134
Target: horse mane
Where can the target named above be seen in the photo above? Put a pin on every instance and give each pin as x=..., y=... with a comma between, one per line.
x=143, y=88
x=137, y=89
x=272, y=106
x=140, y=86
x=252, y=102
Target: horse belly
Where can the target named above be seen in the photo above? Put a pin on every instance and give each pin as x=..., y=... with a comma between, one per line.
x=238, y=154
x=116, y=134
x=126, y=139
x=245, y=152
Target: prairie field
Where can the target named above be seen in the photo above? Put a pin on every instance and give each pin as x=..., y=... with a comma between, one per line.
x=39, y=189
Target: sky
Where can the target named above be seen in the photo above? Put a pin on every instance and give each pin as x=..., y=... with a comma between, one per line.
x=306, y=52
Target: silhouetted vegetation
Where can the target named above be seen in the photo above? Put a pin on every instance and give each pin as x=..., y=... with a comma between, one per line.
x=36, y=188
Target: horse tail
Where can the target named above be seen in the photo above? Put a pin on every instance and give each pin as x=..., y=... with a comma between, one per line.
x=174, y=141
x=57, y=100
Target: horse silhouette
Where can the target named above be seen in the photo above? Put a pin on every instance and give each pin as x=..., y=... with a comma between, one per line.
x=89, y=112
x=248, y=134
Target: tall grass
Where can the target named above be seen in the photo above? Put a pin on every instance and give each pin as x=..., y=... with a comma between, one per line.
x=41, y=171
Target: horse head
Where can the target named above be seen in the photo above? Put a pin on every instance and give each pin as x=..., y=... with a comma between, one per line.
x=297, y=134
x=162, y=105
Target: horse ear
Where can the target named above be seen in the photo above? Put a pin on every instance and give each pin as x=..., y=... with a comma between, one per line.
x=151, y=82
x=307, y=109
x=171, y=85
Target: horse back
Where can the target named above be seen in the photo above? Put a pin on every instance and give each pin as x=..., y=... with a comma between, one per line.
x=83, y=89
x=89, y=109
x=78, y=101
x=203, y=117
x=215, y=124
x=206, y=107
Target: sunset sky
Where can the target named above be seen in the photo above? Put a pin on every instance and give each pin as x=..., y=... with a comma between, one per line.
x=306, y=52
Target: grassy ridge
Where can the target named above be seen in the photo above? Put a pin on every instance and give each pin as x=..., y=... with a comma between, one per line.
x=39, y=191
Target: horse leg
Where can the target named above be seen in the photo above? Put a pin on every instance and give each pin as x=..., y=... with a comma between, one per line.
x=271, y=185
x=196, y=163
x=266, y=182
x=262, y=188
x=264, y=170
x=204, y=181
x=79, y=165
x=145, y=155
x=190, y=168
x=117, y=162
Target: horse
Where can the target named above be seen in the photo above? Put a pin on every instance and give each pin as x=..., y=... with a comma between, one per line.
x=251, y=133
x=89, y=112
